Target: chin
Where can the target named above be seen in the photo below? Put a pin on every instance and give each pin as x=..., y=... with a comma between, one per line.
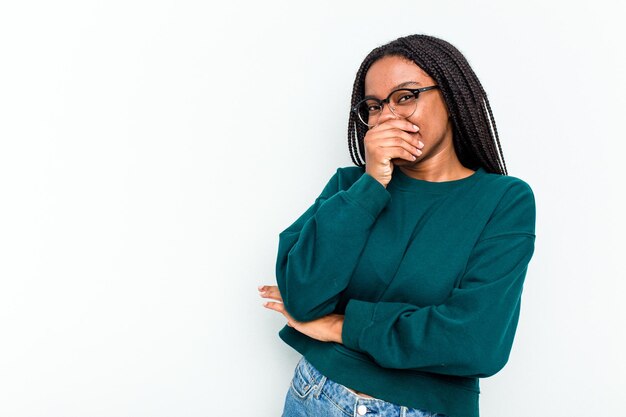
x=399, y=162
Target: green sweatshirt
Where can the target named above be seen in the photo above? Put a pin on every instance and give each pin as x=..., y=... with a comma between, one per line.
x=429, y=276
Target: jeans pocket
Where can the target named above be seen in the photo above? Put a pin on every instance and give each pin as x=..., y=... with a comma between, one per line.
x=302, y=383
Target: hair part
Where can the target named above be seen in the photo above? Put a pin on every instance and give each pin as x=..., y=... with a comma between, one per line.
x=475, y=136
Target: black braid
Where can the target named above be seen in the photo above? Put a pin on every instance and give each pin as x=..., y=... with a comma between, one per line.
x=475, y=135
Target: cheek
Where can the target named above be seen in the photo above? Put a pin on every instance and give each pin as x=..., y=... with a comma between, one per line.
x=432, y=122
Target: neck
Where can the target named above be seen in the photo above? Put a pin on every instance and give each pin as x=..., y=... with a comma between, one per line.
x=442, y=166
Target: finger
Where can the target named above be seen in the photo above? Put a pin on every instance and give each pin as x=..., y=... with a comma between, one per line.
x=275, y=306
x=396, y=142
x=385, y=155
x=266, y=287
x=395, y=138
x=376, y=137
x=401, y=124
x=394, y=148
x=271, y=291
x=398, y=152
x=281, y=309
x=275, y=292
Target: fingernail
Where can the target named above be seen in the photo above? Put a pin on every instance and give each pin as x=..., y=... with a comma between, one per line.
x=416, y=128
x=420, y=144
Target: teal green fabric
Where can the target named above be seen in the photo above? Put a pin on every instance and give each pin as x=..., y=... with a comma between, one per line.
x=429, y=276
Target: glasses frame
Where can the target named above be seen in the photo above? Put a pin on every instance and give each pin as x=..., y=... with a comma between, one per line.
x=382, y=103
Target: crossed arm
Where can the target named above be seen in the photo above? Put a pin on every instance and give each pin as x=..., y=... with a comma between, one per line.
x=325, y=329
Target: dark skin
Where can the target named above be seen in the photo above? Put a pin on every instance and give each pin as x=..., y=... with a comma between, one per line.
x=426, y=134
x=325, y=329
x=420, y=145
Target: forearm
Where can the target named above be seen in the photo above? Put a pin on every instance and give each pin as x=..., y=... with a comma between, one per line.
x=317, y=254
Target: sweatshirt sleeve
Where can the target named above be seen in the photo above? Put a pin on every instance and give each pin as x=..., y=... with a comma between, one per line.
x=319, y=251
x=471, y=333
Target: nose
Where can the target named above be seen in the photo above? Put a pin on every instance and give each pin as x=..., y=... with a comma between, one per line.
x=386, y=114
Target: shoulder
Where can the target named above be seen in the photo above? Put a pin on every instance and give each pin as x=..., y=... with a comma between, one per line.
x=506, y=187
x=349, y=175
x=342, y=179
x=513, y=202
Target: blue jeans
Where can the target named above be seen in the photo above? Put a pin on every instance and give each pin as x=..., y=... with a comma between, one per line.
x=311, y=394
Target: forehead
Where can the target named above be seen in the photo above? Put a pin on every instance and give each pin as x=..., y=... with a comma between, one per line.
x=386, y=73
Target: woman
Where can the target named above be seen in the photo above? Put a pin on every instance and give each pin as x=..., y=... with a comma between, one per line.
x=401, y=284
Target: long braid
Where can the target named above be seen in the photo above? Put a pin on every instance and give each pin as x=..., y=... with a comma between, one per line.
x=492, y=123
x=495, y=129
x=475, y=134
x=465, y=83
x=355, y=130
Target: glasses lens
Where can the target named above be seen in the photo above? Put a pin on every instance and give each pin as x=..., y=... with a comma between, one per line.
x=368, y=111
x=403, y=103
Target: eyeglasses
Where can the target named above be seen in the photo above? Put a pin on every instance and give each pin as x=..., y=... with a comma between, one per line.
x=402, y=102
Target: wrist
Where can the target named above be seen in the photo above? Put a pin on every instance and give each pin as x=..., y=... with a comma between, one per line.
x=339, y=329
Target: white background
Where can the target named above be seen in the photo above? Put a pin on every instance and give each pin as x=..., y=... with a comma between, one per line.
x=151, y=152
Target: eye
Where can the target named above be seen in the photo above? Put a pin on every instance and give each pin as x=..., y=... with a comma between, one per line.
x=370, y=106
x=406, y=98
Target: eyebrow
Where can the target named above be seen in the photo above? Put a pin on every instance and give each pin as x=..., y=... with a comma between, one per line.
x=404, y=84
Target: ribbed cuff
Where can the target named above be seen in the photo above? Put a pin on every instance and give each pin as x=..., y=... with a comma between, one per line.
x=369, y=194
x=358, y=316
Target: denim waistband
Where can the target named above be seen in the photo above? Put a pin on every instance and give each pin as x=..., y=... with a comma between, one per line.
x=351, y=403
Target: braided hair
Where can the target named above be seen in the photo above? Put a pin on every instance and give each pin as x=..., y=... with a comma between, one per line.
x=475, y=135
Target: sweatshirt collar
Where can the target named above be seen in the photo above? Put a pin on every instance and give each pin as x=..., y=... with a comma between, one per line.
x=405, y=182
